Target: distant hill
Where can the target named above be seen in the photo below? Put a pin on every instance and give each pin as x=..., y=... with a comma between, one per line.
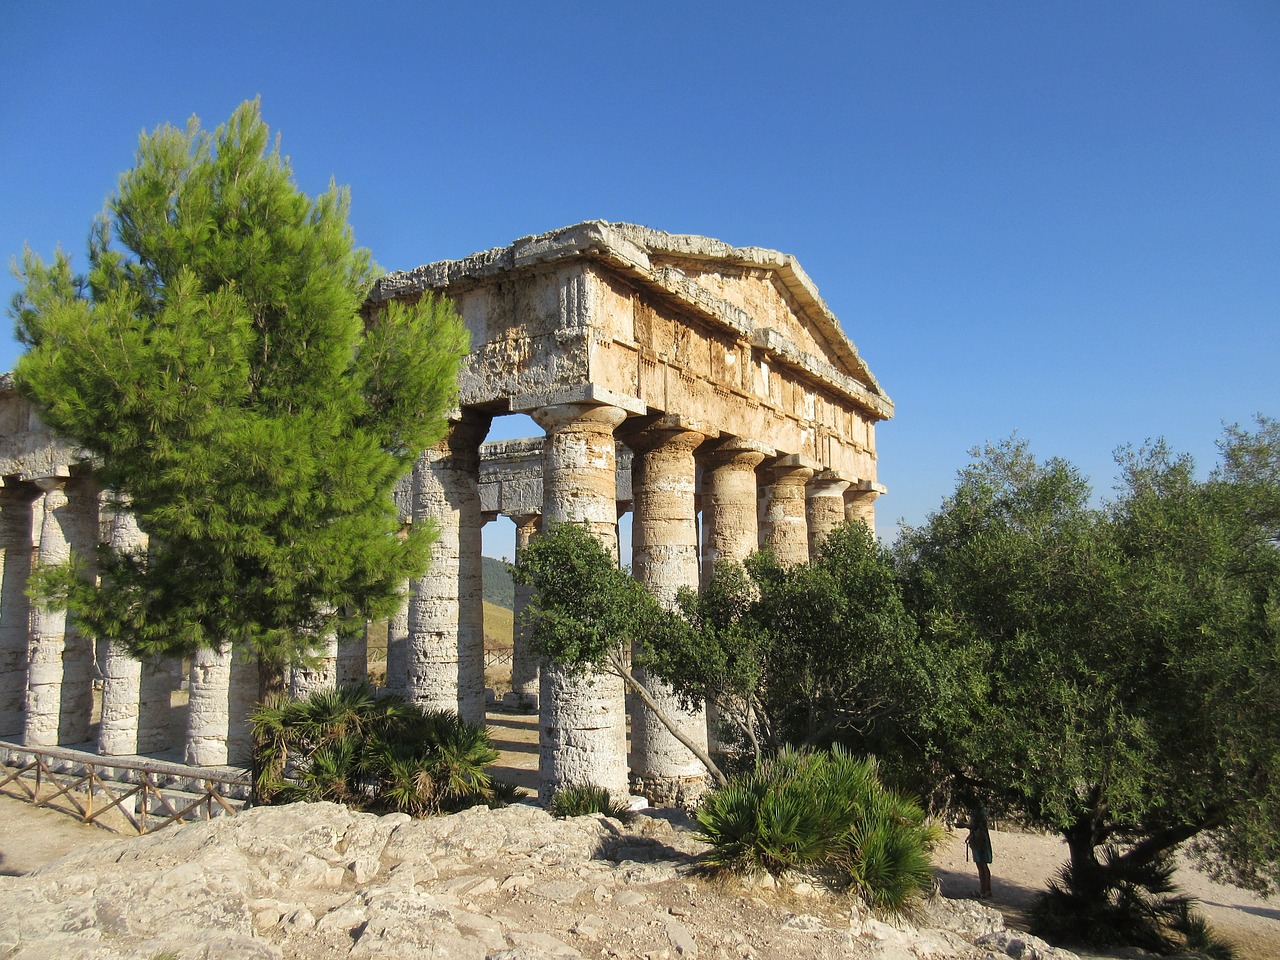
x=498, y=586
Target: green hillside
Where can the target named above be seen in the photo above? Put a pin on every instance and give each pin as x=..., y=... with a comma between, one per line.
x=498, y=587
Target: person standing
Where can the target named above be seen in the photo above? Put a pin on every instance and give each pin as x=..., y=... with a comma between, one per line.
x=979, y=843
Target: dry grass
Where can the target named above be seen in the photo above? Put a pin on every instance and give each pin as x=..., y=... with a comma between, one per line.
x=499, y=624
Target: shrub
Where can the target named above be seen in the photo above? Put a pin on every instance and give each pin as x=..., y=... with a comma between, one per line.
x=824, y=811
x=503, y=793
x=374, y=752
x=1122, y=904
x=579, y=800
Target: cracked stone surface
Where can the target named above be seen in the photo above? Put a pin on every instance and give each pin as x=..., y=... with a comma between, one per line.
x=319, y=881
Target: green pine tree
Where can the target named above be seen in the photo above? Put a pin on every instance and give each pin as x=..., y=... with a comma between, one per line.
x=216, y=364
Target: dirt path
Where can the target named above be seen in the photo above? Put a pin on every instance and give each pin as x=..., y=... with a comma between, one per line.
x=1024, y=863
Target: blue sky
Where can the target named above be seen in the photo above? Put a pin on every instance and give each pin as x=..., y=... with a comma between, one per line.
x=1060, y=220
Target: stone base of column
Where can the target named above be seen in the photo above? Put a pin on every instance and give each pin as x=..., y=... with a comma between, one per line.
x=519, y=702
x=582, y=733
x=670, y=791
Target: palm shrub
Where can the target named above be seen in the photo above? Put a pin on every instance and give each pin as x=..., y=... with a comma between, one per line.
x=1123, y=903
x=823, y=811
x=370, y=751
x=581, y=799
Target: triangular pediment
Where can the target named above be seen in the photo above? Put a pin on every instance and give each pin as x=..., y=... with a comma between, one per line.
x=764, y=296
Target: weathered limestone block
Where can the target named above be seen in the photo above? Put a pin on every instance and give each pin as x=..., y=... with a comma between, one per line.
x=582, y=731
x=784, y=526
x=15, y=609
x=825, y=507
x=446, y=609
x=665, y=559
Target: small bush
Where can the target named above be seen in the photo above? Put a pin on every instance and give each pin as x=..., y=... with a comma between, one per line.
x=579, y=800
x=822, y=811
x=503, y=793
x=1118, y=904
x=374, y=752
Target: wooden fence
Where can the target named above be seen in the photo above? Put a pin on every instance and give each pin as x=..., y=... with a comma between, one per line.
x=149, y=794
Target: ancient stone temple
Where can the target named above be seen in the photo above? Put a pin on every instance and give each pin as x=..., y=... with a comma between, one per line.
x=706, y=388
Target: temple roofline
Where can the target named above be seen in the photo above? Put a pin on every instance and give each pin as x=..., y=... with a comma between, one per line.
x=628, y=247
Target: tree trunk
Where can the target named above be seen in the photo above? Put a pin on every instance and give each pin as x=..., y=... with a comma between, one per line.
x=272, y=681
x=1083, y=838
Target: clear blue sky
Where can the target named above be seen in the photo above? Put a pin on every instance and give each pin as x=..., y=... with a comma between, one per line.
x=1056, y=219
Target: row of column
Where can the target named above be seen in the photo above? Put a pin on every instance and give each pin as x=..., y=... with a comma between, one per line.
x=582, y=718
x=435, y=647
x=48, y=666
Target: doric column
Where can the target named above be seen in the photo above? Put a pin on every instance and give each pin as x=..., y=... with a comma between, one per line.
x=121, y=671
x=582, y=727
x=137, y=695
x=784, y=527
x=730, y=502
x=160, y=677
x=60, y=663
x=446, y=610
x=664, y=549
x=208, y=707
x=397, y=678
x=825, y=507
x=15, y=609
x=860, y=502
x=730, y=523
x=524, y=665
x=318, y=672
x=223, y=690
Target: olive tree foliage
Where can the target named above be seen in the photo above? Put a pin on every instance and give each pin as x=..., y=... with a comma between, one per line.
x=587, y=614
x=812, y=654
x=214, y=362
x=1113, y=673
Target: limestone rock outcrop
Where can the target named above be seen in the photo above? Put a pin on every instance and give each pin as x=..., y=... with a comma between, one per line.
x=314, y=881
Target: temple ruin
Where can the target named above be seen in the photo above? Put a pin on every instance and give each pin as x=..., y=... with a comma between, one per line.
x=705, y=388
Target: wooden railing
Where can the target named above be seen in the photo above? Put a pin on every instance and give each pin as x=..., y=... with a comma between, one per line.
x=149, y=794
x=496, y=655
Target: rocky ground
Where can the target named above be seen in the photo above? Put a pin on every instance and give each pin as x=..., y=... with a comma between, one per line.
x=318, y=882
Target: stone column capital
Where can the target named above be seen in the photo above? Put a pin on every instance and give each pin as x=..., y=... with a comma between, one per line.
x=735, y=452
x=528, y=526
x=521, y=520
x=598, y=416
x=827, y=483
x=788, y=471
x=860, y=502
x=670, y=430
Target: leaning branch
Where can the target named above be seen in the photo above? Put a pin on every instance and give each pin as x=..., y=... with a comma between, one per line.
x=621, y=670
